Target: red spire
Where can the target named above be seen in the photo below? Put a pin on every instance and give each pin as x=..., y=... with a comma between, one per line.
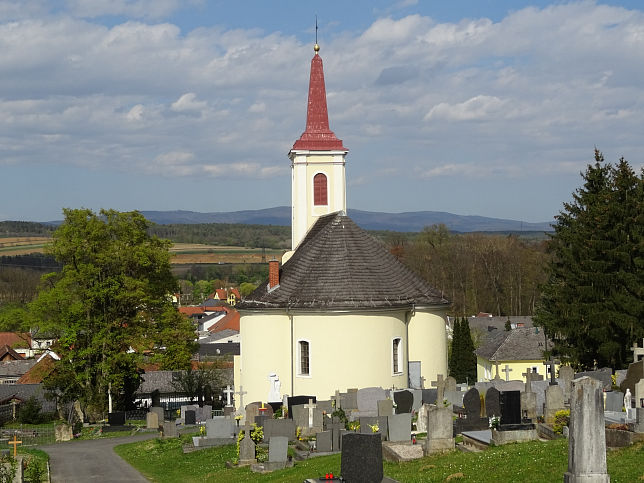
x=318, y=136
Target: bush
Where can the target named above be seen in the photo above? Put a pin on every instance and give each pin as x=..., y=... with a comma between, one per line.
x=36, y=471
x=30, y=412
x=562, y=418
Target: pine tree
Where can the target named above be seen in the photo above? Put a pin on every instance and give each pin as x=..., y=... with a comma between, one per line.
x=455, y=354
x=469, y=357
x=592, y=305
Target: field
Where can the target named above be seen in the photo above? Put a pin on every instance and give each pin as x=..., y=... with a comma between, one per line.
x=22, y=245
x=182, y=253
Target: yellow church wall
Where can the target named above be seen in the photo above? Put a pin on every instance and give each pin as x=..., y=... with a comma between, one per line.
x=346, y=350
x=265, y=348
x=486, y=370
x=428, y=344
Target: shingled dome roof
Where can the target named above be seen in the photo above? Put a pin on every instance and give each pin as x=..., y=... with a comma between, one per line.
x=339, y=266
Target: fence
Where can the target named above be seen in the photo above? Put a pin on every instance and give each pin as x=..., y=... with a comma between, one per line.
x=30, y=434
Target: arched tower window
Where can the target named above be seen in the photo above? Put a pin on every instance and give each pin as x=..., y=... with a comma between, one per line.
x=320, y=189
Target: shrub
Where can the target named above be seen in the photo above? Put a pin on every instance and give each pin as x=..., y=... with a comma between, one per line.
x=30, y=412
x=562, y=418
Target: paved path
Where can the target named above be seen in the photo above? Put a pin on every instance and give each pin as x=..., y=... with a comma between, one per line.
x=92, y=460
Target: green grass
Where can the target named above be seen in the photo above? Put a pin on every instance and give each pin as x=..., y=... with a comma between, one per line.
x=164, y=461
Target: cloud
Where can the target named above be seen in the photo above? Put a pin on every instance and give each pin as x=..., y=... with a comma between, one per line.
x=188, y=103
x=476, y=108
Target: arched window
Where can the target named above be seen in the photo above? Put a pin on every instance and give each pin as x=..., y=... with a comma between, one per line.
x=304, y=358
x=319, y=189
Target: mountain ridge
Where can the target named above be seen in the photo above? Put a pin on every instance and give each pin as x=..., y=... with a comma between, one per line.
x=410, y=221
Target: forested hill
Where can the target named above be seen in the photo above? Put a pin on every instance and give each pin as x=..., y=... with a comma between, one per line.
x=25, y=228
x=413, y=221
x=227, y=234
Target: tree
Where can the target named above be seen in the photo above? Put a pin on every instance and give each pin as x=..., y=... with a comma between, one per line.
x=199, y=383
x=109, y=307
x=592, y=306
x=462, y=362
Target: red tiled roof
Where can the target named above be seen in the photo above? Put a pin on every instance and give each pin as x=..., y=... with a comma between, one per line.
x=318, y=135
x=37, y=373
x=229, y=321
x=221, y=294
x=7, y=353
x=13, y=338
x=189, y=310
x=236, y=293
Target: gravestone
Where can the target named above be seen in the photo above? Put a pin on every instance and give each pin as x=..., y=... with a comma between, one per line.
x=367, y=400
x=156, y=398
x=429, y=396
x=604, y=375
x=191, y=417
x=414, y=375
x=265, y=410
x=229, y=410
x=586, y=435
x=554, y=403
x=421, y=422
x=404, y=401
x=277, y=449
x=418, y=399
x=439, y=384
x=511, y=408
x=261, y=420
x=350, y=401
x=472, y=412
x=614, y=401
x=159, y=411
x=220, y=428
x=492, y=403
x=116, y=418
x=633, y=376
x=251, y=411
x=206, y=412
x=439, y=430
x=638, y=427
x=566, y=375
x=189, y=407
x=385, y=407
x=279, y=427
x=639, y=394
x=399, y=427
x=152, y=420
x=324, y=441
x=454, y=398
x=247, y=450
x=325, y=406
x=361, y=459
x=539, y=388
x=620, y=375
x=297, y=401
x=170, y=430
x=63, y=432
x=528, y=405
x=366, y=423
x=450, y=384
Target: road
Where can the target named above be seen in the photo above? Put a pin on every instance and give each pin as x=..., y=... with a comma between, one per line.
x=92, y=460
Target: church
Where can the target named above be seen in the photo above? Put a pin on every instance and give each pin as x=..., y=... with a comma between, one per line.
x=339, y=311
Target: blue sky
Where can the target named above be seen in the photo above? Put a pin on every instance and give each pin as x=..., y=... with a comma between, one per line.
x=474, y=107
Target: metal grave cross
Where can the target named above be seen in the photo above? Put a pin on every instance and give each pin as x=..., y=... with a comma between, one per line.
x=228, y=391
x=551, y=365
x=310, y=406
x=507, y=371
x=15, y=444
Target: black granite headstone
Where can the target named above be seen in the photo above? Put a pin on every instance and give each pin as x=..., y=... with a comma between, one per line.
x=361, y=459
x=429, y=396
x=493, y=402
x=190, y=417
x=276, y=405
x=472, y=403
x=404, y=401
x=296, y=401
x=117, y=418
x=156, y=398
x=510, y=407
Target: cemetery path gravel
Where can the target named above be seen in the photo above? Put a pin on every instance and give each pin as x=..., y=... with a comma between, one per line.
x=92, y=460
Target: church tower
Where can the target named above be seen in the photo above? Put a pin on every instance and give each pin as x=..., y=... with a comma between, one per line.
x=317, y=162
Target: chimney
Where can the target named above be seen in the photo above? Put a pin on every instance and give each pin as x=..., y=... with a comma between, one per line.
x=273, y=274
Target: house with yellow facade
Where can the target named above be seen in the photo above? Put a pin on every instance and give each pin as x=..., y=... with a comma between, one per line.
x=509, y=354
x=339, y=311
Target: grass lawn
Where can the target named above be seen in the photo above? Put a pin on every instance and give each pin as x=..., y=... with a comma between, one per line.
x=164, y=461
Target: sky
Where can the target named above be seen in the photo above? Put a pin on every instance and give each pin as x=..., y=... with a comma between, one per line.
x=474, y=107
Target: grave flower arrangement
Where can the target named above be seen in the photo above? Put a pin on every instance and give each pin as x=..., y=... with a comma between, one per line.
x=374, y=428
x=495, y=422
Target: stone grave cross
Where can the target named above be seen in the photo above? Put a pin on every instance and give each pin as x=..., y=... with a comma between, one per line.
x=337, y=398
x=311, y=407
x=551, y=364
x=507, y=371
x=528, y=380
x=241, y=393
x=496, y=363
x=228, y=391
x=637, y=351
x=439, y=384
x=15, y=444
x=422, y=382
